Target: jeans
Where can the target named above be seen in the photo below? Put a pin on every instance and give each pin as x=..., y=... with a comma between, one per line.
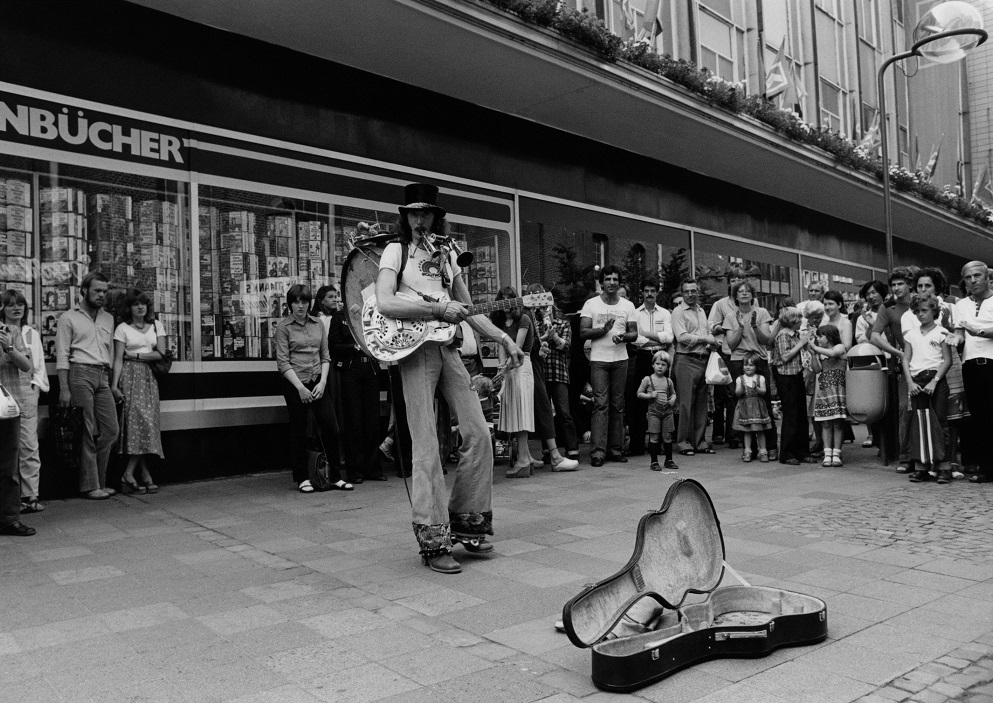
x=692, y=392
x=327, y=431
x=978, y=380
x=10, y=497
x=433, y=367
x=90, y=390
x=565, y=427
x=608, y=379
x=30, y=461
x=793, y=444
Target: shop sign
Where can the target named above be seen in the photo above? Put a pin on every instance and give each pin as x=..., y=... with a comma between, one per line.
x=25, y=120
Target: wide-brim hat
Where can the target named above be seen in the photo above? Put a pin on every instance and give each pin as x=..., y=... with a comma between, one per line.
x=421, y=196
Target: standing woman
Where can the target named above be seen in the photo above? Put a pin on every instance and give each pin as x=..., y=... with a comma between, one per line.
x=14, y=360
x=748, y=332
x=517, y=392
x=834, y=314
x=32, y=384
x=138, y=340
x=873, y=293
x=303, y=360
x=544, y=418
x=326, y=303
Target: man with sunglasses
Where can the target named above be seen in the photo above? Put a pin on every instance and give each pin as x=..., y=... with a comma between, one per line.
x=973, y=322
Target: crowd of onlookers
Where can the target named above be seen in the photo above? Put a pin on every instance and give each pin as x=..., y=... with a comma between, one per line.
x=627, y=379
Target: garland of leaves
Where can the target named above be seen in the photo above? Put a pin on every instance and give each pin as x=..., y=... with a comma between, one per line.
x=590, y=32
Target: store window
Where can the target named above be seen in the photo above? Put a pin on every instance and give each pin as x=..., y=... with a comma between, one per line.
x=253, y=247
x=775, y=270
x=60, y=221
x=844, y=278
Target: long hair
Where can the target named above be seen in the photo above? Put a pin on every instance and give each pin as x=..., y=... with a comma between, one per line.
x=406, y=235
x=499, y=318
x=137, y=297
x=322, y=292
x=14, y=297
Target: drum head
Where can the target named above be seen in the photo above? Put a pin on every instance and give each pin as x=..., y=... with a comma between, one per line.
x=358, y=277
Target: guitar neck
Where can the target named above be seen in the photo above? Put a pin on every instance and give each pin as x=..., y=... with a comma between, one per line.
x=485, y=308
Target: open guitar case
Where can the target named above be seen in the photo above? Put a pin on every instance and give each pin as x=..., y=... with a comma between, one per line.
x=678, y=562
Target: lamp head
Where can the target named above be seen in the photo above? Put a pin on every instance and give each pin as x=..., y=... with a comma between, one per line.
x=954, y=16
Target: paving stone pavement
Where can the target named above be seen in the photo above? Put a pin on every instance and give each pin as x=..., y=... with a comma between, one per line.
x=243, y=590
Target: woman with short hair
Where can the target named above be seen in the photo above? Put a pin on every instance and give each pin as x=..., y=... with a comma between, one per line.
x=138, y=340
x=303, y=361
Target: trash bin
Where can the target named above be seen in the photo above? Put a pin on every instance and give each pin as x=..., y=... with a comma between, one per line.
x=865, y=383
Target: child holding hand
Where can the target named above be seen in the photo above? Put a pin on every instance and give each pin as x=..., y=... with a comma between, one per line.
x=751, y=414
x=659, y=388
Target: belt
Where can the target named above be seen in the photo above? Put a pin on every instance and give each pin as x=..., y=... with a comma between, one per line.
x=978, y=361
x=695, y=355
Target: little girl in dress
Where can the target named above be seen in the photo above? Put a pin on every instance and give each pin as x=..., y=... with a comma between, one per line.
x=751, y=416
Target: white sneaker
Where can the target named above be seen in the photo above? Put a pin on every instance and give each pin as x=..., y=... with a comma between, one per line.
x=565, y=464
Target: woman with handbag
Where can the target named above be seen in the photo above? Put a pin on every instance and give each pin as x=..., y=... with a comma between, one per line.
x=32, y=385
x=304, y=362
x=139, y=341
x=14, y=359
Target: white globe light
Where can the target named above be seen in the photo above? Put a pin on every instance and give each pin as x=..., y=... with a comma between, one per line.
x=944, y=18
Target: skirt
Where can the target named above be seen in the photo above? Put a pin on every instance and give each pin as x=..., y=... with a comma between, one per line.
x=517, y=399
x=140, y=424
x=751, y=414
x=829, y=402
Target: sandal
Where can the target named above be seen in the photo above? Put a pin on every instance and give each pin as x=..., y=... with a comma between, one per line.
x=306, y=486
x=520, y=471
x=687, y=452
x=341, y=486
x=746, y=457
x=31, y=505
x=708, y=450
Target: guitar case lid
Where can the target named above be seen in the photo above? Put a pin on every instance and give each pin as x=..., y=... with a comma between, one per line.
x=679, y=550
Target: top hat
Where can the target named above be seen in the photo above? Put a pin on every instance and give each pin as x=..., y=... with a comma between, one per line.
x=421, y=196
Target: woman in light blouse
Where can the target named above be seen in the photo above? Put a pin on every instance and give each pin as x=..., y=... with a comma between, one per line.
x=139, y=340
x=304, y=362
x=14, y=360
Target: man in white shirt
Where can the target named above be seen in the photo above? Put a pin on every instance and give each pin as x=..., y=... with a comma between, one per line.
x=973, y=321
x=694, y=342
x=654, y=335
x=815, y=292
x=609, y=322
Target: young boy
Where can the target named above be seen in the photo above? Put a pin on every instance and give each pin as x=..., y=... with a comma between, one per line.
x=926, y=360
x=659, y=389
x=787, y=369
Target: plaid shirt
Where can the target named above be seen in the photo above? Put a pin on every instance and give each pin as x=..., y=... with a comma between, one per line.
x=785, y=341
x=557, y=361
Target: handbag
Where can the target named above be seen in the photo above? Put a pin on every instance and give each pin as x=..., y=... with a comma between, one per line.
x=317, y=470
x=717, y=373
x=9, y=409
x=67, y=423
x=161, y=367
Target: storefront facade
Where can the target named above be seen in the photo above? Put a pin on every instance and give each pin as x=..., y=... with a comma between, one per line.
x=214, y=171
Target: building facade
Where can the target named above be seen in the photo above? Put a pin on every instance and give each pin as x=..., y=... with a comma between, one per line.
x=215, y=154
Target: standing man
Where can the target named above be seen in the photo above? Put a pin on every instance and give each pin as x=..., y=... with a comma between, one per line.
x=694, y=343
x=609, y=322
x=719, y=311
x=887, y=334
x=654, y=335
x=815, y=292
x=412, y=266
x=973, y=321
x=83, y=346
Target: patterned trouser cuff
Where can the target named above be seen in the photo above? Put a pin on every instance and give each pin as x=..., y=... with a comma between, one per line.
x=433, y=539
x=472, y=523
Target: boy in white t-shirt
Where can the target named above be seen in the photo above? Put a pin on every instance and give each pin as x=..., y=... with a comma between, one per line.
x=926, y=360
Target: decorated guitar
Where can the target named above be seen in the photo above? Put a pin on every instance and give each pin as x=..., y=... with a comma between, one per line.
x=390, y=339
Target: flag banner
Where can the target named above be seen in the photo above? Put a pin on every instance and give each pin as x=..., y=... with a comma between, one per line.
x=932, y=163
x=776, y=81
x=871, y=141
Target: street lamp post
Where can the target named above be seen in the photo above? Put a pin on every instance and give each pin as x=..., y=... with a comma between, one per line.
x=944, y=35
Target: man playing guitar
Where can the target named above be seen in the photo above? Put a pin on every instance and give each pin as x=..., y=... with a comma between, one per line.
x=468, y=516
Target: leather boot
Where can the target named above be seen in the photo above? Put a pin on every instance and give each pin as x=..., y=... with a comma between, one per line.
x=442, y=563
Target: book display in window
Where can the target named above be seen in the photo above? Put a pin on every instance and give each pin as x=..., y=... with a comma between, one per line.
x=16, y=236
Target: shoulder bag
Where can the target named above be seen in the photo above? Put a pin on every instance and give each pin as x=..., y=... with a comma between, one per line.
x=9, y=409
